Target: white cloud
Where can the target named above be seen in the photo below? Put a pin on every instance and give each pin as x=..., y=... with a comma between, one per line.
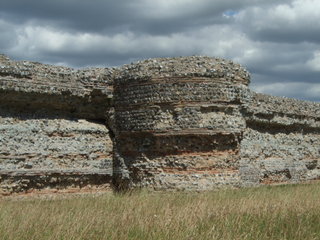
x=213, y=41
x=291, y=89
x=314, y=63
x=294, y=21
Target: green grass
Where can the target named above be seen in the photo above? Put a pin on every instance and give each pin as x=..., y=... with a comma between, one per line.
x=280, y=212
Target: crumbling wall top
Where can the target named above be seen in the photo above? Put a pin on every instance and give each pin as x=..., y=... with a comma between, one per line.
x=214, y=68
x=25, y=76
x=31, y=86
x=267, y=104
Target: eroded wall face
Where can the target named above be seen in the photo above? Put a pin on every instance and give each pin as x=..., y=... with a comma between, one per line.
x=178, y=132
x=53, y=132
x=39, y=151
x=281, y=143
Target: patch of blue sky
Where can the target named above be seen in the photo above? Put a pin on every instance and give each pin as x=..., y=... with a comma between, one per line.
x=230, y=13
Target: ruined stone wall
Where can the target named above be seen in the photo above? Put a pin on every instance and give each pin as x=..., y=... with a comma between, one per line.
x=179, y=123
x=27, y=86
x=187, y=123
x=192, y=123
x=53, y=132
x=281, y=143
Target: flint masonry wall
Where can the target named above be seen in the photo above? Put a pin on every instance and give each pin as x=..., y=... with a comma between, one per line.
x=187, y=123
x=192, y=123
x=179, y=123
x=281, y=143
x=52, y=127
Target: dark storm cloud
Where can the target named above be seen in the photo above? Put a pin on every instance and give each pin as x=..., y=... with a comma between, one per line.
x=8, y=35
x=156, y=17
x=277, y=40
x=69, y=14
x=283, y=35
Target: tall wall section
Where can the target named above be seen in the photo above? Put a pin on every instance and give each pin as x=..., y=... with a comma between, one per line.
x=52, y=127
x=179, y=123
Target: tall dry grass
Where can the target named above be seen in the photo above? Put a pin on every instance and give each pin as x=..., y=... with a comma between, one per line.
x=282, y=212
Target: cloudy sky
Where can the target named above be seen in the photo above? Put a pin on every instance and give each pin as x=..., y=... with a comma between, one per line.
x=278, y=41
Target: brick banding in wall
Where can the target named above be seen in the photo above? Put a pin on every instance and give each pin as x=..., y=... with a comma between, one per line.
x=156, y=126
x=186, y=123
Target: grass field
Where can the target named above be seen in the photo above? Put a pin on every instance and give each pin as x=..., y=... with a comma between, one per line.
x=279, y=212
